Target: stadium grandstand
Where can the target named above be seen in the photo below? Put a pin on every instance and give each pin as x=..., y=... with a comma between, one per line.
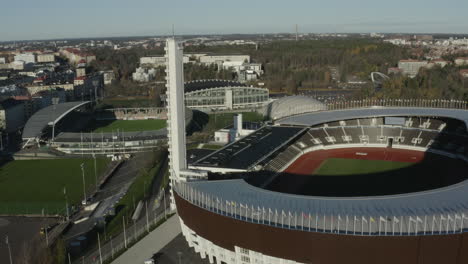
x=48, y=121
x=352, y=182
x=208, y=95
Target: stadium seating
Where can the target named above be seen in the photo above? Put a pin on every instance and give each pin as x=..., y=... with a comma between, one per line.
x=435, y=133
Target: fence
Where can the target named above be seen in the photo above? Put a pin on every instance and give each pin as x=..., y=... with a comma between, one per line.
x=365, y=225
x=436, y=103
x=111, y=247
x=33, y=209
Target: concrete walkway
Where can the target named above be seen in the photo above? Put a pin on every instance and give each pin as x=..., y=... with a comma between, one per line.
x=152, y=243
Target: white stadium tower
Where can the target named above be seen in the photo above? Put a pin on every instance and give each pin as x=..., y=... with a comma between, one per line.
x=176, y=116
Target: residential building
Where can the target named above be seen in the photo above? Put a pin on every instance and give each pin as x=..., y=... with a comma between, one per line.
x=144, y=74
x=461, y=61
x=12, y=115
x=26, y=58
x=411, y=67
x=109, y=77
x=464, y=73
x=80, y=72
x=48, y=57
x=440, y=62
x=153, y=61
x=75, y=56
x=394, y=70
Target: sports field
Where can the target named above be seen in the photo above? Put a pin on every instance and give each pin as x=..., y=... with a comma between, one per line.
x=355, y=172
x=30, y=186
x=339, y=166
x=128, y=125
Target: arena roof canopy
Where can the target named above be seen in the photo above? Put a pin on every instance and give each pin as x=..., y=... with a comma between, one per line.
x=316, y=118
x=208, y=84
x=293, y=105
x=50, y=115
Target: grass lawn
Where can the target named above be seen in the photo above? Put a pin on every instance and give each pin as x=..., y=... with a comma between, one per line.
x=218, y=121
x=128, y=125
x=337, y=166
x=28, y=186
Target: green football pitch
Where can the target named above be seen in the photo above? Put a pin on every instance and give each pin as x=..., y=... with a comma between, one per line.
x=128, y=125
x=338, y=166
x=34, y=186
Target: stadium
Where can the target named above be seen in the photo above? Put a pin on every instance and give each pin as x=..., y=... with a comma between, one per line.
x=362, y=182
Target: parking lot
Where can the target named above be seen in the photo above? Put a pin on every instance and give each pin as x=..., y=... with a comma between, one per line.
x=20, y=230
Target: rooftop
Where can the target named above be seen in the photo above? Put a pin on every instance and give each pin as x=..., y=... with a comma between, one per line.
x=244, y=153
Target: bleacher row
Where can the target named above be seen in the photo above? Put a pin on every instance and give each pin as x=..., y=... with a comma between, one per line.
x=416, y=132
x=131, y=114
x=446, y=124
x=282, y=159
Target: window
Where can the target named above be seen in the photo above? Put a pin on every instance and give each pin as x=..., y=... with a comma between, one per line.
x=347, y=138
x=316, y=141
x=381, y=138
x=245, y=259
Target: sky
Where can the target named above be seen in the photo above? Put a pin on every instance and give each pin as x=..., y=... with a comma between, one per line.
x=51, y=19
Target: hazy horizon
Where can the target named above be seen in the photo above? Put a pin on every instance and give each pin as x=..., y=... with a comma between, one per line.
x=54, y=19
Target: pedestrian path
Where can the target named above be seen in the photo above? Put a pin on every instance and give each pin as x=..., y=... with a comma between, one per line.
x=152, y=243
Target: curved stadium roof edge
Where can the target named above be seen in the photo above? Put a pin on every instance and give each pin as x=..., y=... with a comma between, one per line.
x=197, y=85
x=316, y=118
x=450, y=199
x=53, y=113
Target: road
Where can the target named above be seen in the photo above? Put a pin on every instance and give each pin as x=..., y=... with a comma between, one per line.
x=152, y=243
x=107, y=247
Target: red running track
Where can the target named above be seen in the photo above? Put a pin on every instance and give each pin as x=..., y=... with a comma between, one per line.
x=309, y=162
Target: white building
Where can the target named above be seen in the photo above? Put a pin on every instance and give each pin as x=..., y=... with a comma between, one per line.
x=153, y=61
x=439, y=62
x=109, y=77
x=233, y=134
x=411, y=67
x=2, y=60
x=45, y=58
x=26, y=58
x=144, y=75
x=461, y=61
x=220, y=59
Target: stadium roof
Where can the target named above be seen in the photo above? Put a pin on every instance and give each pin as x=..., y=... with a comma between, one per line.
x=292, y=105
x=250, y=150
x=208, y=84
x=51, y=114
x=66, y=137
x=316, y=118
x=451, y=199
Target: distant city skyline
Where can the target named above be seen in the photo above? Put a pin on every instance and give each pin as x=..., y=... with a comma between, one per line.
x=54, y=19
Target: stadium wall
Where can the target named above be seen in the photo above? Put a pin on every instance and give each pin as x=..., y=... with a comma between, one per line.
x=232, y=241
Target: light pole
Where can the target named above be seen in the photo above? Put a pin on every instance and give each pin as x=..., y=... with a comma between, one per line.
x=95, y=172
x=84, y=186
x=179, y=254
x=66, y=202
x=9, y=249
x=164, y=197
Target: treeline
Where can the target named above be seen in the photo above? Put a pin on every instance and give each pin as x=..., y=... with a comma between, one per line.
x=435, y=83
x=200, y=72
x=288, y=65
x=291, y=65
x=122, y=62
